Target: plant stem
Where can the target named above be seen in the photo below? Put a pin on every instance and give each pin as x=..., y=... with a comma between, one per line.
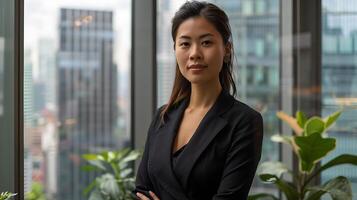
x=302, y=186
x=117, y=177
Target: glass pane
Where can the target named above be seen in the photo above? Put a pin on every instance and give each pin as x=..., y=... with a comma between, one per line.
x=76, y=96
x=7, y=85
x=339, y=80
x=255, y=29
x=2, y=52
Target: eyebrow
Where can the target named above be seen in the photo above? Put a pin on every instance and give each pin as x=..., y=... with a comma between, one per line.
x=202, y=36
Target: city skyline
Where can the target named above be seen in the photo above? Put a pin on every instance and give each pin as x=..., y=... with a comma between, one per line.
x=41, y=22
x=87, y=92
x=44, y=114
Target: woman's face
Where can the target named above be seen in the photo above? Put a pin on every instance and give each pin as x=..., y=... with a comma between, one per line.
x=199, y=50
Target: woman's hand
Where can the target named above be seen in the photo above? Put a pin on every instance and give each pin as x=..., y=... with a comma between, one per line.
x=143, y=197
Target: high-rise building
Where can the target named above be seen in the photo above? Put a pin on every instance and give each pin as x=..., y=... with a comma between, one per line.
x=87, y=93
x=47, y=95
x=339, y=78
x=47, y=71
x=49, y=144
x=255, y=32
x=28, y=119
x=165, y=50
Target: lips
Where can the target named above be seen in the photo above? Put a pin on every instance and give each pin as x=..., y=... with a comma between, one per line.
x=196, y=66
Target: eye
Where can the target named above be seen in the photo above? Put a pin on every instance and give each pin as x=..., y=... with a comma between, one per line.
x=206, y=43
x=184, y=44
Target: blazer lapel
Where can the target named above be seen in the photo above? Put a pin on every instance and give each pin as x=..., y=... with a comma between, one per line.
x=209, y=127
x=161, y=157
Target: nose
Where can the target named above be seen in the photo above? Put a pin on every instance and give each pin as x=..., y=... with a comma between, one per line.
x=195, y=53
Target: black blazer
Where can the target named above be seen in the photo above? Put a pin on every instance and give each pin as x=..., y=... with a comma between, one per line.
x=219, y=161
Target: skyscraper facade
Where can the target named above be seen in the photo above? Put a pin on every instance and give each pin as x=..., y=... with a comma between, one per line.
x=87, y=93
x=28, y=119
x=339, y=80
x=47, y=71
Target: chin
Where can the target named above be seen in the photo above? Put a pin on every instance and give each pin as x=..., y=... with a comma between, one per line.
x=197, y=81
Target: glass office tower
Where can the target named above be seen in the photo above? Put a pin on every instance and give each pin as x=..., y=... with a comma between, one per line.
x=339, y=81
x=87, y=92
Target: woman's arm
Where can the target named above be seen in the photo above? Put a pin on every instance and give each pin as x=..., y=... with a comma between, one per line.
x=143, y=181
x=242, y=160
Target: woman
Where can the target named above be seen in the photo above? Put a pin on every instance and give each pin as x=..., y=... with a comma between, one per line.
x=203, y=144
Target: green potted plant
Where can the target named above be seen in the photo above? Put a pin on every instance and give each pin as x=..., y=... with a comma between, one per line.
x=36, y=192
x=116, y=178
x=6, y=195
x=310, y=143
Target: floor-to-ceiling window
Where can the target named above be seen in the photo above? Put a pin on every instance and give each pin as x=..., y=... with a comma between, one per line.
x=255, y=29
x=339, y=80
x=8, y=69
x=76, y=90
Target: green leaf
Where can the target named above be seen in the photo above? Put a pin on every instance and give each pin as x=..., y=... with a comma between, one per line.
x=126, y=172
x=89, y=188
x=282, y=138
x=103, y=156
x=6, y=195
x=111, y=156
x=271, y=167
x=125, y=180
x=331, y=119
x=36, y=192
x=95, y=195
x=315, y=194
x=108, y=185
x=314, y=125
x=285, y=139
x=122, y=153
x=89, y=168
x=118, y=180
x=263, y=196
x=132, y=156
x=313, y=148
x=286, y=187
x=89, y=157
x=338, y=188
x=98, y=164
x=339, y=160
x=301, y=119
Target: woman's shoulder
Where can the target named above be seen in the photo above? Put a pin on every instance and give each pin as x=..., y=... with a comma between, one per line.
x=240, y=111
x=156, y=121
x=241, y=107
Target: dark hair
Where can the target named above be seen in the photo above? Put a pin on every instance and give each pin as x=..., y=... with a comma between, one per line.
x=182, y=87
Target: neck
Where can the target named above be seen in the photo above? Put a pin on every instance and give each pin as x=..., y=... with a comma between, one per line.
x=203, y=96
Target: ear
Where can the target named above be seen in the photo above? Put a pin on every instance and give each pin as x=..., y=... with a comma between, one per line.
x=227, y=52
x=228, y=49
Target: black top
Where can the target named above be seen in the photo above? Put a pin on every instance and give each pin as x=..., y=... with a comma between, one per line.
x=218, y=163
x=176, y=155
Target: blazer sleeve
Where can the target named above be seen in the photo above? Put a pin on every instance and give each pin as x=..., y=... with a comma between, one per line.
x=242, y=160
x=143, y=181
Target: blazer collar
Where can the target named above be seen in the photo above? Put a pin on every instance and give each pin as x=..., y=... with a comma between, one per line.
x=208, y=128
